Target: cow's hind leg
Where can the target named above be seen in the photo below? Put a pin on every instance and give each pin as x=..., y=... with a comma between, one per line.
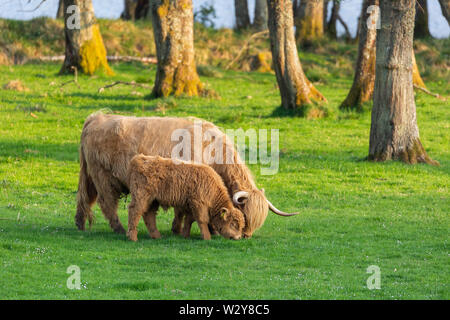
x=86, y=195
x=108, y=198
x=109, y=203
x=150, y=220
x=85, y=199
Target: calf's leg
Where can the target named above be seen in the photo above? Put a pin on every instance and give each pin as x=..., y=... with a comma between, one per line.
x=138, y=206
x=188, y=220
x=178, y=221
x=150, y=220
x=202, y=218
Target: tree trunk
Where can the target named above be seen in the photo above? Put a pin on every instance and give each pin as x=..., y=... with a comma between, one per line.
x=260, y=22
x=173, y=27
x=295, y=89
x=325, y=14
x=129, y=10
x=331, y=26
x=295, y=5
x=363, y=82
x=394, y=134
x=445, y=7
x=309, y=22
x=417, y=79
x=136, y=9
x=84, y=44
x=241, y=12
x=60, y=12
x=421, y=29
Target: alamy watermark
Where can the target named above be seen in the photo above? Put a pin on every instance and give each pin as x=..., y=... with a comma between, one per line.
x=374, y=20
x=74, y=280
x=212, y=146
x=374, y=281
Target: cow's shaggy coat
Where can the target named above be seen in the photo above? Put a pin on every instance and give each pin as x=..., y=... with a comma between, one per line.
x=195, y=189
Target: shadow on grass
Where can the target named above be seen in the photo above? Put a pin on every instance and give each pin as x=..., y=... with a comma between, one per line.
x=99, y=236
x=25, y=150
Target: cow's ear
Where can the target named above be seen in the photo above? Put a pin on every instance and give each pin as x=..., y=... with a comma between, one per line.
x=224, y=213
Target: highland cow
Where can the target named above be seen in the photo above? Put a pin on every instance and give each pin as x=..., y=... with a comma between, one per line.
x=195, y=189
x=108, y=142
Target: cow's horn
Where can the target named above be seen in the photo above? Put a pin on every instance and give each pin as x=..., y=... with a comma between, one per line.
x=238, y=195
x=279, y=212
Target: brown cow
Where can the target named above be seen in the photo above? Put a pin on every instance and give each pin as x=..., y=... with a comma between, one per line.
x=108, y=142
x=192, y=188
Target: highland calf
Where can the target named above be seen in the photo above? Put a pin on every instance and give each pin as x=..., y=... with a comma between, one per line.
x=195, y=189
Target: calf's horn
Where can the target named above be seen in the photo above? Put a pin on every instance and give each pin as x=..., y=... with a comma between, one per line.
x=238, y=195
x=279, y=212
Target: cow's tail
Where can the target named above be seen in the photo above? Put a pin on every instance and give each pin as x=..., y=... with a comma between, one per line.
x=86, y=196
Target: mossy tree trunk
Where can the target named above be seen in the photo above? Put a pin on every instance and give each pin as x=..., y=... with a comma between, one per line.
x=241, y=13
x=260, y=22
x=445, y=7
x=84, y=44
x=295, y=89
x=394, y=134
x=421, y=29
x=60, y=12
x=364, y=79
x=309, y=21
x=417, y=79
x=173, y=27
x=332, y=24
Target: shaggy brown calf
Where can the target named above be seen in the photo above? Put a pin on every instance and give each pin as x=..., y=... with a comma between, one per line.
x=192, y=188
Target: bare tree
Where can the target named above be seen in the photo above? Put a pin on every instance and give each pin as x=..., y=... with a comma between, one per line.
x=260, y=22
x=136, y=9
x=325, y=14
x=60, y=12
x=421, y=29
x=241, y=12
x=84, y=44
x=295, y=89
x=309, y=21
x=363, y=82
x=332, y=23
x=394, y=134
x=445, y=7
x=173, y=27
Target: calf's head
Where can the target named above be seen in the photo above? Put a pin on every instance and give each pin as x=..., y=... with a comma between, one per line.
x=229, y=223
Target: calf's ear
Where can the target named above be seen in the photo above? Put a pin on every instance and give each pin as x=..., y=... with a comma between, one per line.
x=224, y=213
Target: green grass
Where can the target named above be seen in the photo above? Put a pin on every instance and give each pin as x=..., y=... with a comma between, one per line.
x=354, y=213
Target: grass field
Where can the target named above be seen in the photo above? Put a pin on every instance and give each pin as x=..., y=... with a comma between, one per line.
x=354, y=213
